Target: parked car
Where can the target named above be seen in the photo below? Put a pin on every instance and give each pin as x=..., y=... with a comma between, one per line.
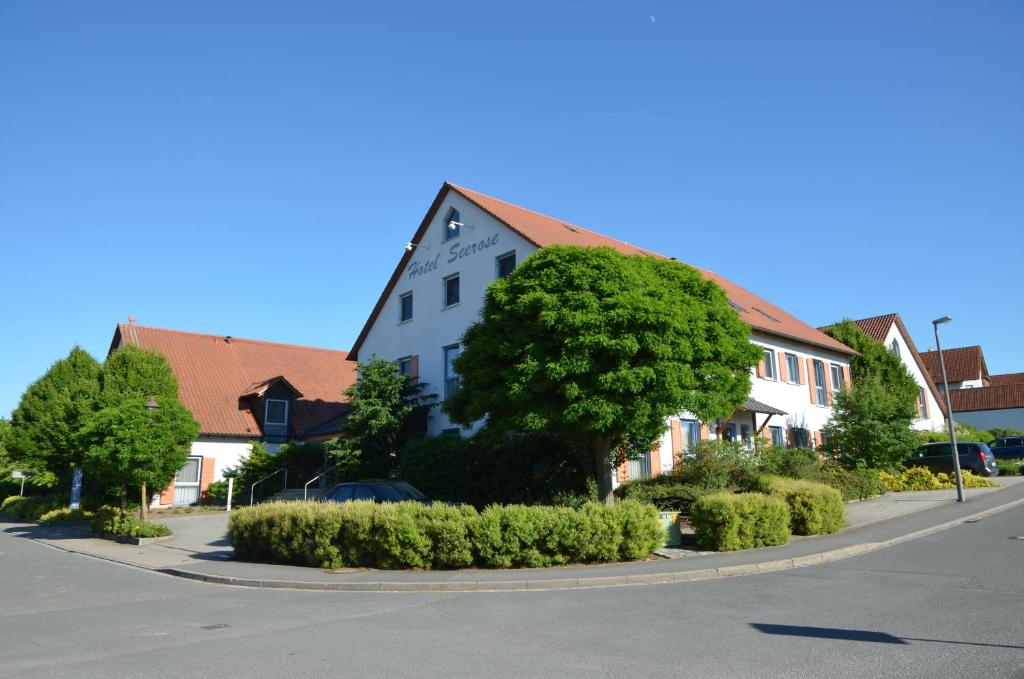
x=376, y=490
x=1008, y=447
x=938, y=457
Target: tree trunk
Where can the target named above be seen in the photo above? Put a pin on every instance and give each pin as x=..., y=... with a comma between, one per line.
x=142, y=507
x=124, y=498
x=601, y=449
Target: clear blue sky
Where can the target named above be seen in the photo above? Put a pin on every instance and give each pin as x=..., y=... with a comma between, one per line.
x=254, y=168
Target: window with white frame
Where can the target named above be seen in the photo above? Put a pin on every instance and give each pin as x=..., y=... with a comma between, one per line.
x=405, y=366
x=690, y=430
x=276, y=412
x=837, y=377
x=821, y=398
x=505, y=264
x=771, y=371
x=792, y=369
x=639, y=467
x=778, y=436
x=451, y=290
x=452, y=225
x=451, y=378
x=405, y=310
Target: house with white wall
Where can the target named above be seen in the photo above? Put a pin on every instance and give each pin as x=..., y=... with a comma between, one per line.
x=242, y=390
x=965, y=368
x=891, y=332
x=466, y=240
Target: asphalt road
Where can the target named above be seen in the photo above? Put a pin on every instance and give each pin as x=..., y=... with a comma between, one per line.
x=948, y=605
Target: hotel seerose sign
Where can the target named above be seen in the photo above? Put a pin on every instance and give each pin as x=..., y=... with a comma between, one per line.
x=456, y=252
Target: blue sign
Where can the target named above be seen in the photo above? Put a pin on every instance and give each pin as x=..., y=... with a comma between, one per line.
x=76, y=489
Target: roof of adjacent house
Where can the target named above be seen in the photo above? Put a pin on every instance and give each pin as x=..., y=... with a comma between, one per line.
x=962, y=364
x=1007, y=378
x=877, y=328
x=987, y=398
x=215, y=373
x=542, y=230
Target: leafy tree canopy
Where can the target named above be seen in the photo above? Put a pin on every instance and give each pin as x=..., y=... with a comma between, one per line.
x=387, y=408
x=45, y=424
x=871, y=425
x=131, y=372
x=600, y=348
x=137, y=447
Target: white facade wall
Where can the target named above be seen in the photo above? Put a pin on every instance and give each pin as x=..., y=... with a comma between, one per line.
x=1006, y=418
x=226, y=452
x=434, y=327
x=935, y=421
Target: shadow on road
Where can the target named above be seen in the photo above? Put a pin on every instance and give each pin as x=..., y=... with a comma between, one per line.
x=858, y=635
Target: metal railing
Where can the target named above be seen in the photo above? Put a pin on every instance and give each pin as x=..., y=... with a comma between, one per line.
x=252, y=490
x=305, y=488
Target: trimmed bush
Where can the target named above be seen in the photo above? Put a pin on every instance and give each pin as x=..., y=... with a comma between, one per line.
x=667, y=492
x=921, y=478
x=1010, y=467
x=730, y=521
x=29, y=508
x=814, y=508
x=410, y=535
x=112, y=521
x=65, y=514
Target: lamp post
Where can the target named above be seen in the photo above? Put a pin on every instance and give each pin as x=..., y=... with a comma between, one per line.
x=949, y=411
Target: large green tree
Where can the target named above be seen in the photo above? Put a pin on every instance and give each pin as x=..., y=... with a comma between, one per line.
x=875, y=361
x=387, y=408
x=139, y=447
x=45, y=424
x=599, y=348
x=132, y=372
x=871, y=425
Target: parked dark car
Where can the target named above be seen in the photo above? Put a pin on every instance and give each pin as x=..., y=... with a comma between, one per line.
x=376, y=490
x=938, y=457
x=1008, y=447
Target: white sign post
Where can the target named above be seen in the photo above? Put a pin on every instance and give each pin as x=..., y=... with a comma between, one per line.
x=20, y=475
x=231, y=490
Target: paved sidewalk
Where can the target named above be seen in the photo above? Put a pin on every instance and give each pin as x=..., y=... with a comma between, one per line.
x=200, y=551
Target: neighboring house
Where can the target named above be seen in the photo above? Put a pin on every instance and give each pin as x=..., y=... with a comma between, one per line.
x=242, y=390
x=988, y=407
x=890, y=331
x=467, y=240
x=965, y=368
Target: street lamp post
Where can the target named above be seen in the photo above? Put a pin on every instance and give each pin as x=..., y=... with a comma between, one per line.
x=949, y=411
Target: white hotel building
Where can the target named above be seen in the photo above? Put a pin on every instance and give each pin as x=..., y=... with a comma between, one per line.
x=467, y=240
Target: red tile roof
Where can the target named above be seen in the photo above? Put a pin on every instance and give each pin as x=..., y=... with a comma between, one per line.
x=1007, y=378
x=214, y=373
x=963, y=363
x=877, y=328
x=987, y=398
x=542, y=230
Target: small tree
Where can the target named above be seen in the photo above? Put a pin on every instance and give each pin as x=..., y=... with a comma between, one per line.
x=139, y=447
x=385, y=410
x=45, y=424
x=599, y=348
x=875, y=362
x=871, y=426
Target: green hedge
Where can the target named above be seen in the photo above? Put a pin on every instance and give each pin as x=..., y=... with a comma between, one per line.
x=65, y=514
x=665, y=491
x=730, y=521
x=410, y=535
x=30, y=508
x=814, y=508
x=1010, y=467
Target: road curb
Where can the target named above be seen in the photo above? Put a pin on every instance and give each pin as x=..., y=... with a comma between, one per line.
x=595, y=582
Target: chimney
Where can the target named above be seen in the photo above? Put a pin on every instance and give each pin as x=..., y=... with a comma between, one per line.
x=131, y=320
x=227, y=339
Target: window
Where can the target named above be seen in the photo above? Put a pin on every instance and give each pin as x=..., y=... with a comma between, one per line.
x=837, y=377
x=452, y=225
x=824, y=439
x=640, y=467
x=895, y=348
x=747, y=433
x=799, y=437
x=405, y=304
x=451, y=290
x=405, y=366
x=819, y=383
x=922, y=405
x=451, y=378
x=277, y=412
x=778, y=438
x=730, y=431
x=770, y=369
x=186, y=482
x=690, y=430
x=505, y=263
x=792, y=369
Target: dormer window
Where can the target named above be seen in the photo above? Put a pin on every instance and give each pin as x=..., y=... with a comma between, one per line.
x=452, y=225
x=276, y=413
